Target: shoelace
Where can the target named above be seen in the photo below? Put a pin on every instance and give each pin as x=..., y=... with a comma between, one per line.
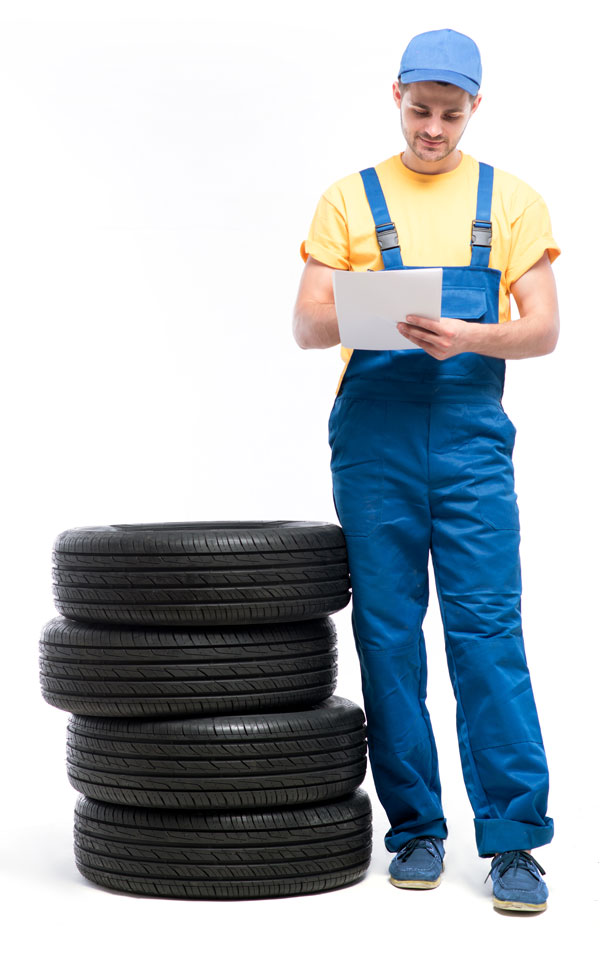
x=517, y=858
x=412, y=844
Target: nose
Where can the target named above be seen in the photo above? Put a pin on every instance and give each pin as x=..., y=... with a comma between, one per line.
x=433, y=129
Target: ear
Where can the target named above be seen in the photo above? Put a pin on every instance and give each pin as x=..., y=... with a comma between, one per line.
x=396, y=93
x=476, y=103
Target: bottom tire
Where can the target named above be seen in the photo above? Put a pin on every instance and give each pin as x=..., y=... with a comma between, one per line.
x=251, y=855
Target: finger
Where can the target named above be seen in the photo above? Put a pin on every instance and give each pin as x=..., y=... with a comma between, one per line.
x=419, y=341
x=422, y=322
x=416, y=333
x=429, y=344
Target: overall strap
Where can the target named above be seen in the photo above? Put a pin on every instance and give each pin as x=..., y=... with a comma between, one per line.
x=387, y=236
x=481, y=236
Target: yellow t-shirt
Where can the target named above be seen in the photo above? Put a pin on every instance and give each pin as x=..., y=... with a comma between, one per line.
x=433, y=214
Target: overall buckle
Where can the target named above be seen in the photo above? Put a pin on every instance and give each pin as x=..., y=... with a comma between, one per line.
x=481, y=233
x=387, y=237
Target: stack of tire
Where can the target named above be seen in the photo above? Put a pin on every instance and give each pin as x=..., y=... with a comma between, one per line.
x=199, y=663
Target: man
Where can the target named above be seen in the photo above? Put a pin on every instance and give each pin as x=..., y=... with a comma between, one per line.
x=422, y=461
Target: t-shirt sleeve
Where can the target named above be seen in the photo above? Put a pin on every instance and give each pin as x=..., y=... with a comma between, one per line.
x=327, y=238
x=531, y=235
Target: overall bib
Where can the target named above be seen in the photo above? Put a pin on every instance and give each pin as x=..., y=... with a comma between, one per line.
x=421, y=459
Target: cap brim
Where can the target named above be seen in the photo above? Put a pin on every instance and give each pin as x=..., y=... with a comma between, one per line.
x=448, y=76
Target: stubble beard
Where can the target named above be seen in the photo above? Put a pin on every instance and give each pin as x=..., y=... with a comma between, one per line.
x=431, y=153
x=427, y=154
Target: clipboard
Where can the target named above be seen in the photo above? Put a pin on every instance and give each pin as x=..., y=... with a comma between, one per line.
x=370, y=304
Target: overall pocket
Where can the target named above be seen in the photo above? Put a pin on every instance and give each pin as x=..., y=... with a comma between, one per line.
x=356, y=462
x=497, y=499
x=469, y=304
x=464, y=303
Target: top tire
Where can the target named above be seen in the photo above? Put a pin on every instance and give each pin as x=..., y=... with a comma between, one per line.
x=204, y=573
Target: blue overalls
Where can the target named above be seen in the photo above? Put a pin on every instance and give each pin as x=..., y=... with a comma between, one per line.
x=421, y=459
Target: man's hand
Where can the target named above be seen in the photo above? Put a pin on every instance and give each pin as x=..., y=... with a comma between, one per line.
x=440, y=338
x=535, y=333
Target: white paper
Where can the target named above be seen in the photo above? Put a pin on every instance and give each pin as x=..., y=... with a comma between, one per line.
x=370, y=304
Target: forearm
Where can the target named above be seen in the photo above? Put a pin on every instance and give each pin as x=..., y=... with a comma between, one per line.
x=315, y=326
x=533, y=335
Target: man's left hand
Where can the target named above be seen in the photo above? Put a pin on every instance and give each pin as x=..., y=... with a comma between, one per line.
x=440, y=338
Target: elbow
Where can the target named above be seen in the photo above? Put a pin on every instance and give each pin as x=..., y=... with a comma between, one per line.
x=299, y=332
x=546, y=334
x=546, y=346
x=552, y=337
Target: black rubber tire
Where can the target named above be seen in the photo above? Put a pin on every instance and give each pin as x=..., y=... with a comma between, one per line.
x=235, y=762
x=99, y=671
x=94, y=581
x=287, y=852
x=242, y=573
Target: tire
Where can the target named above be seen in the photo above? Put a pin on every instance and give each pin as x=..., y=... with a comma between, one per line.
x=287, y=852
x=212, y=573
x=99, y=671
x=237, y=762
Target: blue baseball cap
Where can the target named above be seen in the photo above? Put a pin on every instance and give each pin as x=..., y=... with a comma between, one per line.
x=442, y=55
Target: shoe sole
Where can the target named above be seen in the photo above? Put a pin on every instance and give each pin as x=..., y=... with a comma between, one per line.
x=417, y=883
x=518, y=906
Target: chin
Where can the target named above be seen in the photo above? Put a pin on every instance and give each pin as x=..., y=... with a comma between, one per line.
x=429, y=157
x=433, y=155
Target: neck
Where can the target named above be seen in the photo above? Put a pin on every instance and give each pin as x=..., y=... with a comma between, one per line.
x=430, y=167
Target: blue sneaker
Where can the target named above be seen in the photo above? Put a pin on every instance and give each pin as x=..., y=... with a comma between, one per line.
x=418, y=864
x=517, y=882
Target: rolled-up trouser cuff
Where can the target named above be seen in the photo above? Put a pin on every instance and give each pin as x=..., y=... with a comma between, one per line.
x=396, y=838
x=503, y=835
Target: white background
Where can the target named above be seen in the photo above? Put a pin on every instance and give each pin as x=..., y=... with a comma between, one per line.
x=160, y=164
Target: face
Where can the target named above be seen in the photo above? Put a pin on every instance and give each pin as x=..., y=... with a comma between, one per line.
x=433, y=118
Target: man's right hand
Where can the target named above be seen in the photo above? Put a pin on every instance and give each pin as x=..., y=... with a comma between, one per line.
x=315, y=324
